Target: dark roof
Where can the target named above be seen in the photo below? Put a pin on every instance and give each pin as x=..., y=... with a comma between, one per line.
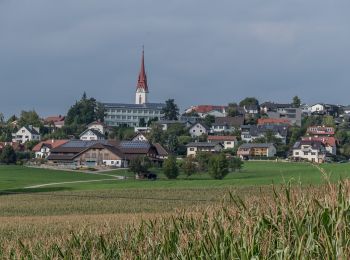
x=160, y=149
x=202, y=124
x=95, y=132
x=136, y=147
x=313, y=143
x=203, y=144
x=236, y=121
x=135, y=106
x=256, y=145
x=256, y=130
x=272, y=106
x=31, y=130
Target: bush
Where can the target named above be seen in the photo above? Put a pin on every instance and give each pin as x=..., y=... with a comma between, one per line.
x=236, y=164
x=218, y=166
x=189, y=166
x=8, y=155
x=170, y=168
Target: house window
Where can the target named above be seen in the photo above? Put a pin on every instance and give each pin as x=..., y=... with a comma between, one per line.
x=313, y=153
x=228, y=142
x=296, y=153
x=306, y=153
x=191, y=149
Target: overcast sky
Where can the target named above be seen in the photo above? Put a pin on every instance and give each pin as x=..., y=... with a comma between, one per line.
x=197, y=52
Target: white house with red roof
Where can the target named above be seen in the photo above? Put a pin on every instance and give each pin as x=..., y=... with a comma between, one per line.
x=57, y=121
x=320, y=131
x=329, y=142
x=204, y=110
x=43, y=149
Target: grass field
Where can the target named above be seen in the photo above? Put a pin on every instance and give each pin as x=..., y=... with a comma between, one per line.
x=106, y=206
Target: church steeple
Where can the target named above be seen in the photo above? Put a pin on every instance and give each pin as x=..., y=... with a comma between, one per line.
x=142, y=87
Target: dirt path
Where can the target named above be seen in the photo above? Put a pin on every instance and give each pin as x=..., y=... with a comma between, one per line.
x=72, y=182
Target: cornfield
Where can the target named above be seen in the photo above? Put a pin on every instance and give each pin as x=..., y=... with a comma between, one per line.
x=291, y=223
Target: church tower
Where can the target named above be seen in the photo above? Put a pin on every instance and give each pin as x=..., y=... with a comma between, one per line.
x=141, y=87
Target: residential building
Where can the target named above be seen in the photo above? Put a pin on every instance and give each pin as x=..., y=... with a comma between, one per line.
x=118, y=114
x=271, y=106
x=320, y=131
x=211, y=147
x=140, y=137
x=227, y=124
x=99, y=126
x=251, y=132
x=248, y=150
x=204, y=110
x=25, y=134
x=273, y=121
x=43, y=149
x=55, y=121
x=329, y=142
x=251, y=110
x=228, y=141
x=92, y=134
x=310, y=150
x=325, y=109
x=198, y=129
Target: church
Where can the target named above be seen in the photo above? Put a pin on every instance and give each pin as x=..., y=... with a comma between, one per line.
x=119, y=114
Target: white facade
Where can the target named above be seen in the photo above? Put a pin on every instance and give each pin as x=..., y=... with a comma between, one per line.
x=97, y=126
x=140, y=137
x=25, y=134
x=317, y=108
x=194, y=148
x=141, y=96
x=308, y=153
x=197, y=130
x=43, y=153
x=116, y=163
x=90, y=134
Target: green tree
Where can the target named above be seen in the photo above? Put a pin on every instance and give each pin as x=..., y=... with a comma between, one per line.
x=232, y=109
x=328, y=121
x=140, y=165
x=100, y=112
x=218, y=166
x=29, y=118
x=8, y=155
x=170, y=168
x=296, y=102
x=142, y=122
x=203, y=160
x=249, y=101
x=171, y=110
x=2, y=118
x=235, y=164
x=11, y=119
x=189, y=166
x=30, y=144
x=156, y=134
x=208, y=120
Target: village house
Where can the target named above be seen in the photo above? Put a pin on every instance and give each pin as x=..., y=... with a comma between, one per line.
x=310, y=150
x=92, y=134
x=140, y=137
x=43, y=149
x=198, y=129
x=54, y=121
x=251, y=132
x=249, y=150
x=204, y=110
x=324, y=109
x=211, y=147
x=25, y=134
x=329, y=142
x=320, y=131
x=228, y=141
x=227, y=124
x=273, y=121
x=99, y=126
x=282, y=111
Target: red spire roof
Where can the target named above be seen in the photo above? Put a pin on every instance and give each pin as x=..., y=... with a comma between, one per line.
x=142, y=80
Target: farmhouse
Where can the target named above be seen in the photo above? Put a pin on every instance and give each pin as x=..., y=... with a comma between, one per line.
x=195, y=147
x=43, y=149
x=329, y=142
x=248, y=150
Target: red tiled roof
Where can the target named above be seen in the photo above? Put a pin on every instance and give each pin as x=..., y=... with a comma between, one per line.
x=327, y=140
x=268, y=121
x=52, y=143
x=54, y=119
x=222, y=138
x=207, y=108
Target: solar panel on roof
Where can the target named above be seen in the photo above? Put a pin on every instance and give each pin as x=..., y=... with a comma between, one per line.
x=82, y=143
x=133, y=144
